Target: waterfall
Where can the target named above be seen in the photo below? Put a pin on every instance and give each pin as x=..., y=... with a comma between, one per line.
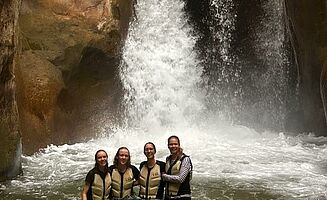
x=270, y=47
x=249, y=71
x=160, y=71
x=222, y=74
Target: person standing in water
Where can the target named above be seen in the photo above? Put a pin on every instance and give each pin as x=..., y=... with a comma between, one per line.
x=178, y=172
x=151, y=183
x=124, y=175
x=98, y=181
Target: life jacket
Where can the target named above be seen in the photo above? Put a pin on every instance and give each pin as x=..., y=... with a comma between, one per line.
x=101, y=188
x=177, y=189
x=122, y=184
x=149, y=181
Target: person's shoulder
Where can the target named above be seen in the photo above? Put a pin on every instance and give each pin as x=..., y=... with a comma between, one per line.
x=168, y=158
x=134, y=168
x=92, y=171
x=184, y=156
x=159, y=162
x=162, y=165
x=90, y=175
x=142, y=164
x=111, y=168
x=135, y=171
x=187, y=160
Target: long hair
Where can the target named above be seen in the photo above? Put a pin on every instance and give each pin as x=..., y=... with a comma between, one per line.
x=128, y=164
x=96, y=161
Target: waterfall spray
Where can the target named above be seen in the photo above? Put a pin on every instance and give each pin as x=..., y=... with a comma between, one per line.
x=160, y=72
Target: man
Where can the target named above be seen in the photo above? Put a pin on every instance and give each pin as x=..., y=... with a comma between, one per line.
x=151, y=184
x=179, y=172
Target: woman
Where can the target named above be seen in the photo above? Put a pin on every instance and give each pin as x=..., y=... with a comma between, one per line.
x=124, y=175
x=179, y=172
x=98, y=181
x=151, y=184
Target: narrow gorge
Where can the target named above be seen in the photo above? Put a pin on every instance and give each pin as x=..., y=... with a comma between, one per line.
x=79, y=75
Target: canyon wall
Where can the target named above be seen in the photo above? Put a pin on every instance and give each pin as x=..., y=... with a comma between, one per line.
x=307, y=23
x=67, y=86
x=10, y=144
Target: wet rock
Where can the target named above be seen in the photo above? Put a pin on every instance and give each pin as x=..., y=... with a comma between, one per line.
x=39, y=83
x=10, y=144
x=68, y=86
x=307, y=24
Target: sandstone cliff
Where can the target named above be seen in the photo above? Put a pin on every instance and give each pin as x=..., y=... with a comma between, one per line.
x=66, y=70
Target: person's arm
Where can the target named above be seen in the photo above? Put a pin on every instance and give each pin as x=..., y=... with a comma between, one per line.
x=181, y=176
x=86, y=188
x=87, y=184
x=136, y=174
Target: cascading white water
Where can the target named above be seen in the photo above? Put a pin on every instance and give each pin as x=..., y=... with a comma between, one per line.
x=269, y=45
x=161, y=72
x=223, y=15
x=161, y=76
x=222, y=73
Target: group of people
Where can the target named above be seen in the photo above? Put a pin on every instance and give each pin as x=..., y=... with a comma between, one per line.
x=155, y=179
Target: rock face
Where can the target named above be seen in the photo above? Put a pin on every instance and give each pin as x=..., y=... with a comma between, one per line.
x=67, y=86
x=39, y=84
x=10, y=145
x=307, y=23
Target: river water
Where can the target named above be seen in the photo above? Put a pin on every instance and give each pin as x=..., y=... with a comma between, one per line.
x=162, y=77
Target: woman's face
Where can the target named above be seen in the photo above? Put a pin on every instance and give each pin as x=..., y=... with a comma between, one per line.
x=102, y=158
x=123, y=156
x=173, y=146
x=149, y=151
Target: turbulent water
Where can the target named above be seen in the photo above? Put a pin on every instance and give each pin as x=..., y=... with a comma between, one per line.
x=229, y=163
x=161, y=74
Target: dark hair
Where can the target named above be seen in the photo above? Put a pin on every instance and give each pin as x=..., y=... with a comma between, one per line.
x=117, y=157
x=174, y=136
x=95, y=157
x=154, y=147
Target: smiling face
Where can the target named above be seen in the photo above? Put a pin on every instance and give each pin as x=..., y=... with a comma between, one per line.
x=101, y=158
x=149, y=151
x=123, y=156
x=173, y=146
